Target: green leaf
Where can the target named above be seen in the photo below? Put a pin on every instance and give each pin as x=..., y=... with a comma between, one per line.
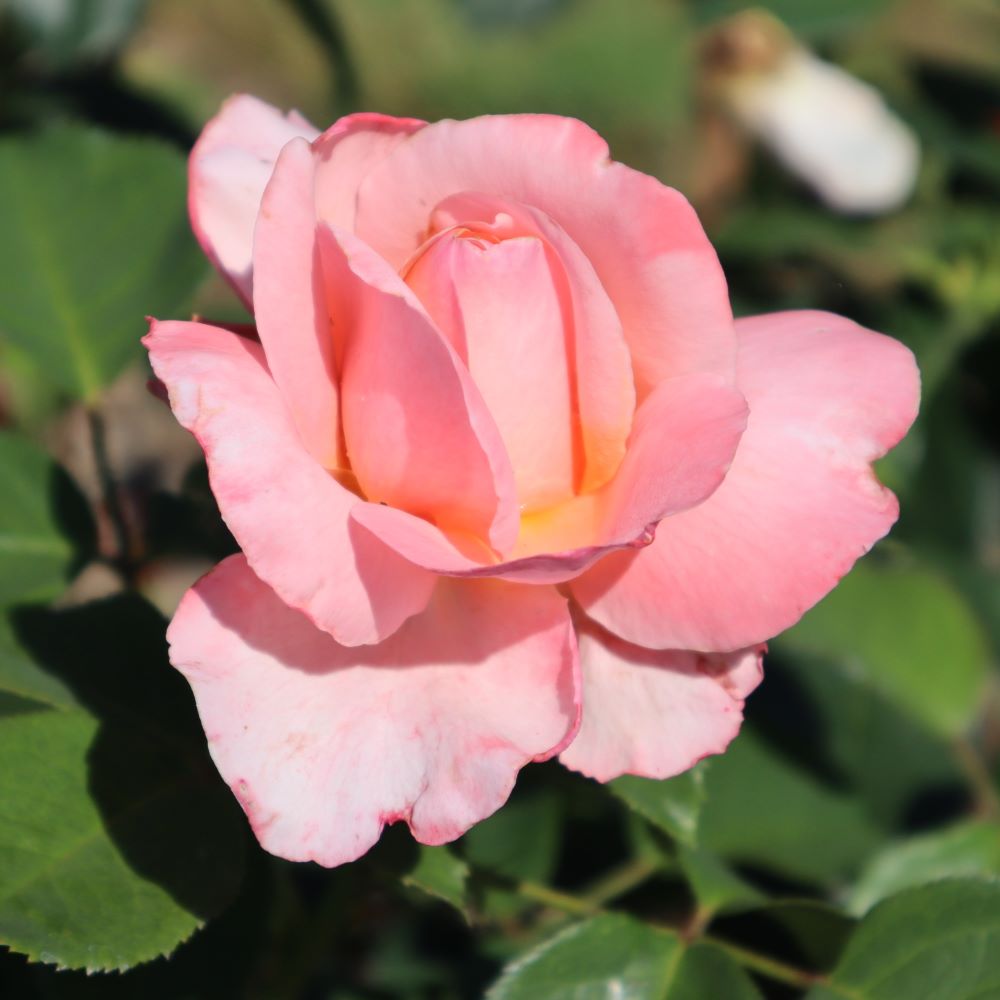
x=957, y=518
x=853, y=735
x=439, y=873
x=980, y=586
x=30, y=400
x=614, y=957
x=519, y=841
x=35, y=556
x=909, y=633
x=673, y=805
x=96, y=232
x=22, y=678
x=971, y=848
x=761, y=809
x=716, y=887
x=235, y=950
x=117, y=840
x=938, y=942
x=704, y=971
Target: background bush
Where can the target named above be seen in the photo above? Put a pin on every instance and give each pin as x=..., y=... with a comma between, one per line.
x=848, y=844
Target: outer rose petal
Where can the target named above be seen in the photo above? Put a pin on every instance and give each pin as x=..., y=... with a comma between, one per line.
x=289, y=515
x=798, y=507
x=227, y=173
x=642, y=238
x=682, y=442
x=345, y=153
x=323, y=744
x=655, y=713
x=290, y=308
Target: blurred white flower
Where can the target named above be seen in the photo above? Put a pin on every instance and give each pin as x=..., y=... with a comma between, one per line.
x=827, y=127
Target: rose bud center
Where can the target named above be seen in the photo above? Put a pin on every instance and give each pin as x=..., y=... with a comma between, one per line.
x=497, y=293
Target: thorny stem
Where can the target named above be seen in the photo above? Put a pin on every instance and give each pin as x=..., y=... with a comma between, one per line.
x=632, y=874
x=557, y=900
x=620, y=881
x=765, y=966
x=986, y=796
x=602, y=891
x=593, y=899
x=110, y=500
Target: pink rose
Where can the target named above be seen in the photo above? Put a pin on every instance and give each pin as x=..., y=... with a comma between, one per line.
x=508, y=479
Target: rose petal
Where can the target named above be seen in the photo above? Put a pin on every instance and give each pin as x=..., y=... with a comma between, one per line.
x=798, y=507
x=227, y=172
x=605, y=385
x=419, y=436
x=642, y=238
x=324, y=744
x=602, y=387
x=289, y=515
x=682, y=442
x=345, y=153
x=499, y=307
x=655, y=713
x=289, y=299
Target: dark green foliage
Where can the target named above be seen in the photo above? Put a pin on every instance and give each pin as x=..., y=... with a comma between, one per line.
x=846, y=847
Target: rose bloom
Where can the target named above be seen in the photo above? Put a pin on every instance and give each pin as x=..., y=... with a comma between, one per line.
x=509, y=480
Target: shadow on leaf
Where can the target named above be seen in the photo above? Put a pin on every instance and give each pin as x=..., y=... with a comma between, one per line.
x=149, y=773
